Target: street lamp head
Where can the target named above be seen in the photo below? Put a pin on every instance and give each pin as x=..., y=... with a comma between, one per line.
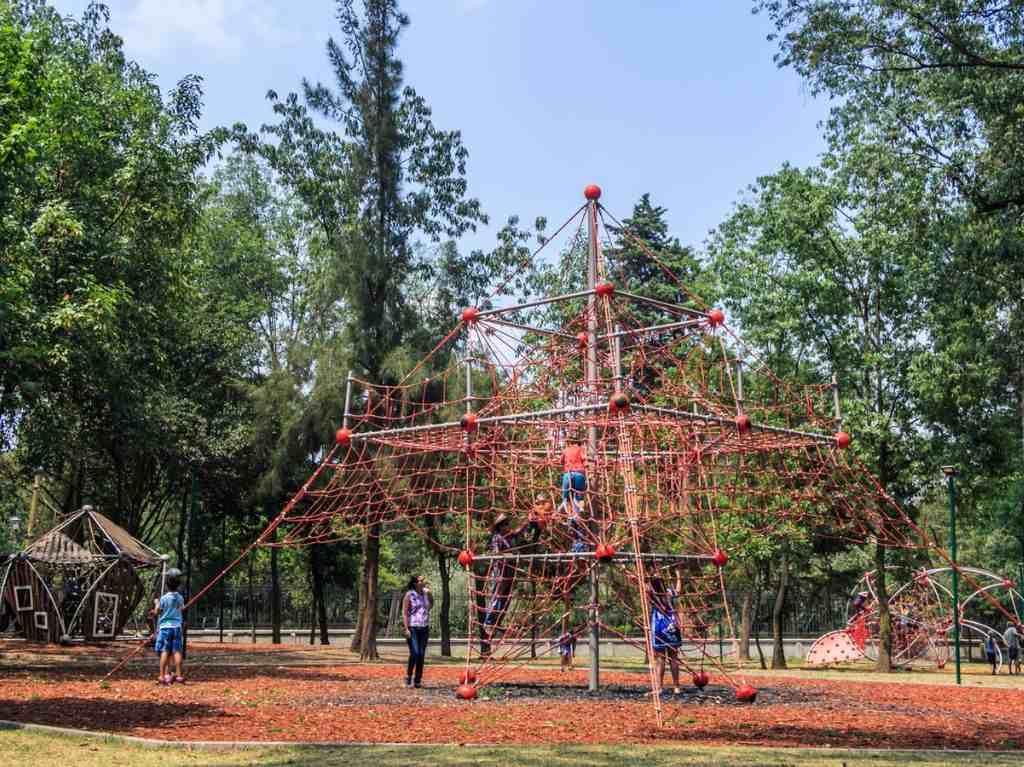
x=950, y=471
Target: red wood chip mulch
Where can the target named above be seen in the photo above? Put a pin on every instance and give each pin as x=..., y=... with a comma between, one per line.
x=349, y=702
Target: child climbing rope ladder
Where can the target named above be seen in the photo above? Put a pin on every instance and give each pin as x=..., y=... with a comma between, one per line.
x=574, y=486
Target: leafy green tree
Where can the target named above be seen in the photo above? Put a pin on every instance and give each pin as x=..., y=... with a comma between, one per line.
x=389, y=176
x=98, y=189
x=820, y=273
x=936, y=88
x=941, y=78
x=660, y=267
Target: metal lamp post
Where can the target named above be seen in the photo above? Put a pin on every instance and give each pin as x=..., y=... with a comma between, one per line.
x=14, y=522
x=951, y=472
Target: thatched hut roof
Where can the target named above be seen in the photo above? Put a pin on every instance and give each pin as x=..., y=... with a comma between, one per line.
x=88, y=536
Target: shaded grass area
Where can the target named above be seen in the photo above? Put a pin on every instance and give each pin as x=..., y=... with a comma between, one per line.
x=23, y=747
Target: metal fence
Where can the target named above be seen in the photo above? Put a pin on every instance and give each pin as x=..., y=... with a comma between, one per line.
x=806, y=615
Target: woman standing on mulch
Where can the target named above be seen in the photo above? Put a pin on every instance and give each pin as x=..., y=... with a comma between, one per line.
x=416, y=606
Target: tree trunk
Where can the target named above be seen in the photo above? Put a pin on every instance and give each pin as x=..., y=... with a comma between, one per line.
x=746, y=615
x=275, y=595
x=884, y=618
x=357, y=635
x=321, y=605
x=444, y=568
x=371, y=569
x=318, y=615
x=778, y=648
x=757, y=622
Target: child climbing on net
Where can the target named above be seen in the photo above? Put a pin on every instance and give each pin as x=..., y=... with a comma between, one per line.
x=574, y=487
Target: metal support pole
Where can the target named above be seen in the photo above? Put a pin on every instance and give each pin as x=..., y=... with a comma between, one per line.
x=951, y=472
x=835, y=399
x=469, y=386
x=193, y=512
x=739, y=380
x=591, y=386
x=224, y=582
x=33, y=505
x=617, y=357
x=348, y=399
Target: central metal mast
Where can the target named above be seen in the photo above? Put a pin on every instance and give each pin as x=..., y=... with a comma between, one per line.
x=591, y=388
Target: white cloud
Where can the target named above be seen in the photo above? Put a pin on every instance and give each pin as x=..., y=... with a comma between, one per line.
x=222, y=27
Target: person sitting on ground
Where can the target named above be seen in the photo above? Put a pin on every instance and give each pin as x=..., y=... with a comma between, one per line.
x=666, y=639
x=169, y=637
x=990, y=651
x=1012, y=638
x=416, y=606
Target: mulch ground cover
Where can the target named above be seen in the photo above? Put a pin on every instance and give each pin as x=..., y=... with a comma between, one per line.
x=287, y=694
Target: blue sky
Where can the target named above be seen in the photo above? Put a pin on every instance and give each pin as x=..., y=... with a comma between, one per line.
x=680, y=99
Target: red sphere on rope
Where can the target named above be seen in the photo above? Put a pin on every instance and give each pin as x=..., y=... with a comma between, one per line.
x=581, y=340
x=467, y=677
x=605, y=289
x=604, y=552
x=743, y=423
x=842, y=440
x=466, y=691
x=343, y=436
x=716, y=317
x=619, y=403
x=470, y=314
x=701, y=679
x=719, y=558
x=746, y=694
x=469, y=422
x=1008, y=584
x=592, y=192
x=466, y=558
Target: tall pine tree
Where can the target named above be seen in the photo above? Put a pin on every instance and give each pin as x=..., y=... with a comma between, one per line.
x=387, y=177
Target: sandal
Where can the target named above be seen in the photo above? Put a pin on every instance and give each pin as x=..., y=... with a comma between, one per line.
x=179, y=680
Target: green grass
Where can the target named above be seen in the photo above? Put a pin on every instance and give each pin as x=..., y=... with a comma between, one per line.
x=21, y=747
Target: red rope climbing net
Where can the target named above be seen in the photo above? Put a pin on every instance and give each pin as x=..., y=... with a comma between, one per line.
x=691, y=445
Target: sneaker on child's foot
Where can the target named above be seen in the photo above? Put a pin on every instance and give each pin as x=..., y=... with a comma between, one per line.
x=408, y=682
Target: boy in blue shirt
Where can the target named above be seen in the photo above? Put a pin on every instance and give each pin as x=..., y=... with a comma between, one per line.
x=168, y=628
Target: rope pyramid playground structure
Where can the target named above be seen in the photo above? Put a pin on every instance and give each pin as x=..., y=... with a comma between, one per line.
x=690, y=444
